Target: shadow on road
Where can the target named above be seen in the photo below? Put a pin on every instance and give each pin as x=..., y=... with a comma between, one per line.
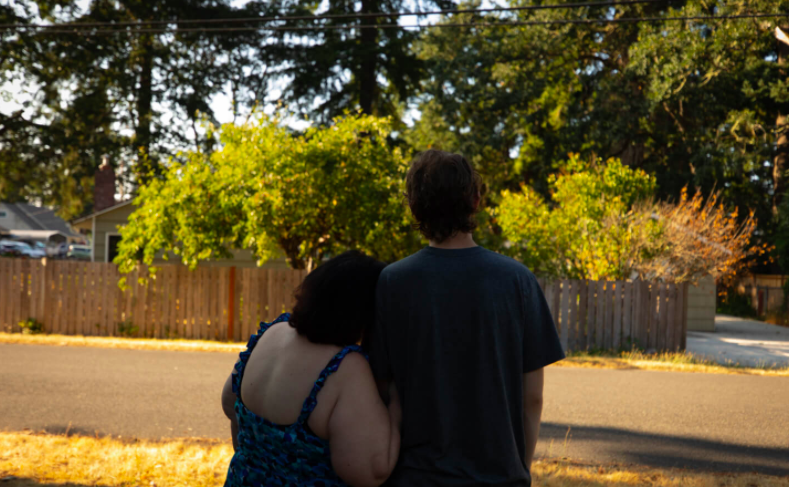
x=20, y=482
x=663, y=451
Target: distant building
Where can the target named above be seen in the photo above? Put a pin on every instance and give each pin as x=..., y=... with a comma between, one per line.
x=22, y=221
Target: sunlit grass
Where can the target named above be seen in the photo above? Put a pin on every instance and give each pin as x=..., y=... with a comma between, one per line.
x=668, y=361
x=125, y=343
x=76, y=461
x=80, y=460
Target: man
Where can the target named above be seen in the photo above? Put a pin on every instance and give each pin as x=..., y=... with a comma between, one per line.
x=464, y=333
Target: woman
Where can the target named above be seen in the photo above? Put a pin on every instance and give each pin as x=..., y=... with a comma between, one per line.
x=303, y=405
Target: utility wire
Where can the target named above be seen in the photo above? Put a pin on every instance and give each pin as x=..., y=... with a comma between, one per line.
x=86, y=32
x=608, y=3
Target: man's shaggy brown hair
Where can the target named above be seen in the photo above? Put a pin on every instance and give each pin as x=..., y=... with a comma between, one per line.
x=443, y=192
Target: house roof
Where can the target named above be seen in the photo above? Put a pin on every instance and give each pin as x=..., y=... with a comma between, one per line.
x=40, y=218
x=105, y=210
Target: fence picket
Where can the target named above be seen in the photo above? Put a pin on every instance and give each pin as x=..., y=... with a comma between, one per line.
x=627, y=315
x=670, y=317
x=580, y=332
x=617, y=328
x=575, y=311
x=662, y=315
x=564, y=320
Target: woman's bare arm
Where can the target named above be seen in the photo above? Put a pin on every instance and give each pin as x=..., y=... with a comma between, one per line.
x=363, y=434
x=228, y=406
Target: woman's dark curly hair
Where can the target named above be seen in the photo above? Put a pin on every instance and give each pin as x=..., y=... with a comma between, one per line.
x=443, y=191
x=335, y=303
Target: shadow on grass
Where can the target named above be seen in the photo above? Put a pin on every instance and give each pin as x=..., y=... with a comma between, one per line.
x=662, y=451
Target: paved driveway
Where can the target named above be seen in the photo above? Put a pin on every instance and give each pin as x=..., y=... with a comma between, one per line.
x=742, y=341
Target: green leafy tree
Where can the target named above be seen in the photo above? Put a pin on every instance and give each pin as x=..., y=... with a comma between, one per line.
x=322, y=73
x=696, y=103
x=307, y=196
x=593, y=227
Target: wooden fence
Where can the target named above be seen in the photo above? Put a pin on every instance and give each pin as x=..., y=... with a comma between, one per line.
x=83, y=298
x=225, y=303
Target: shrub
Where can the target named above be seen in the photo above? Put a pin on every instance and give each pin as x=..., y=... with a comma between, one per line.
x=127, y=329
x=31, y=326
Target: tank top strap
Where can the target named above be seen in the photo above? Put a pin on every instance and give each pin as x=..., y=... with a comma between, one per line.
x=243, y=357
x=331, y=367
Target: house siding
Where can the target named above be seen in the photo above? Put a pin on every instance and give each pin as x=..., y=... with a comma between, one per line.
x=701, y=305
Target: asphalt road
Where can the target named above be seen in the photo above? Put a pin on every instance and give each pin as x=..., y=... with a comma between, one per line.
x=695, y=421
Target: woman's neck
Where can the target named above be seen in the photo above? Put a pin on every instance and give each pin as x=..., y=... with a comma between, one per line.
x=459, y=241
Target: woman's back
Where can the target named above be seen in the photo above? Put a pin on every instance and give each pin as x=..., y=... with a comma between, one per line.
x=284, y=403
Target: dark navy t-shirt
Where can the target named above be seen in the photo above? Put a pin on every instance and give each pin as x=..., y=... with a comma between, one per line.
x=456, y=330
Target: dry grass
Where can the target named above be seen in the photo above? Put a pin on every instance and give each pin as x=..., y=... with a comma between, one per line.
x=673, y=362
x=126, y=343
x=80, y=460
x=75, y=461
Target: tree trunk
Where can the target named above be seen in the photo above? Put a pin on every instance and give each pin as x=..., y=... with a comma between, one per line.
x=782, y=143
x=368, y=85
x=146, y=165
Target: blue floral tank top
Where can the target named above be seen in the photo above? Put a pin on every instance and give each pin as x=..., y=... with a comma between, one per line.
x=281, y=455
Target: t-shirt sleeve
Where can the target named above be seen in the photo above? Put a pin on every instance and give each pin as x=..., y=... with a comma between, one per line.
x=541, y=346
x=377, y=343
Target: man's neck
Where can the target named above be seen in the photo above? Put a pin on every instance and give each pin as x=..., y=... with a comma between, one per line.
x=459, y=241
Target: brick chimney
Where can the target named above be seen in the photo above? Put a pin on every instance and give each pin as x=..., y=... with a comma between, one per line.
x=104, y=186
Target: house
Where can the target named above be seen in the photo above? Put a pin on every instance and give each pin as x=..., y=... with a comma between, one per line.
x=22, y=221
x=109, y=216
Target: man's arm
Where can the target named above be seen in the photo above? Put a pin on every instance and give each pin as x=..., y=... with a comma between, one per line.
x=532, y=411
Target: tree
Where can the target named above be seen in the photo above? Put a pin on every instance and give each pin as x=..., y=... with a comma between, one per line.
x=136, y=97
x=696, y=103
x=276, y=193
x=701, y=237
x=602, y=223
x=590, y=229
x=325, y=72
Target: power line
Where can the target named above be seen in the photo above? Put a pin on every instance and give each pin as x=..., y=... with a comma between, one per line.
x=86, y=32
x=559, y=6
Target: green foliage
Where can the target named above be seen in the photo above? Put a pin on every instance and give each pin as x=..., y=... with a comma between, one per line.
x=127, y=329
x=31, y=326
x=589, y=229
x=735, y=304
x=695, y=103
x=306, y=196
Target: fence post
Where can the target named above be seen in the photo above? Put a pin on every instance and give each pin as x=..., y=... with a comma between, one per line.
x=231, y=297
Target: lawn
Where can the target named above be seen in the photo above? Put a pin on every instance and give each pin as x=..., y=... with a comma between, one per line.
x=28, y=459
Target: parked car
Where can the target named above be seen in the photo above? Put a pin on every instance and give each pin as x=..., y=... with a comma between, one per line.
x=24, y=249
x=58, y=251
x=8, y=248
x=78, y=252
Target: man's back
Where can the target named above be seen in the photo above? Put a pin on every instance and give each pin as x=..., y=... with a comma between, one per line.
x=456, y=330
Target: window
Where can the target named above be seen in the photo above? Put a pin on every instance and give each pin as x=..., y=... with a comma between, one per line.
x=3, y=214
x=112, y=246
